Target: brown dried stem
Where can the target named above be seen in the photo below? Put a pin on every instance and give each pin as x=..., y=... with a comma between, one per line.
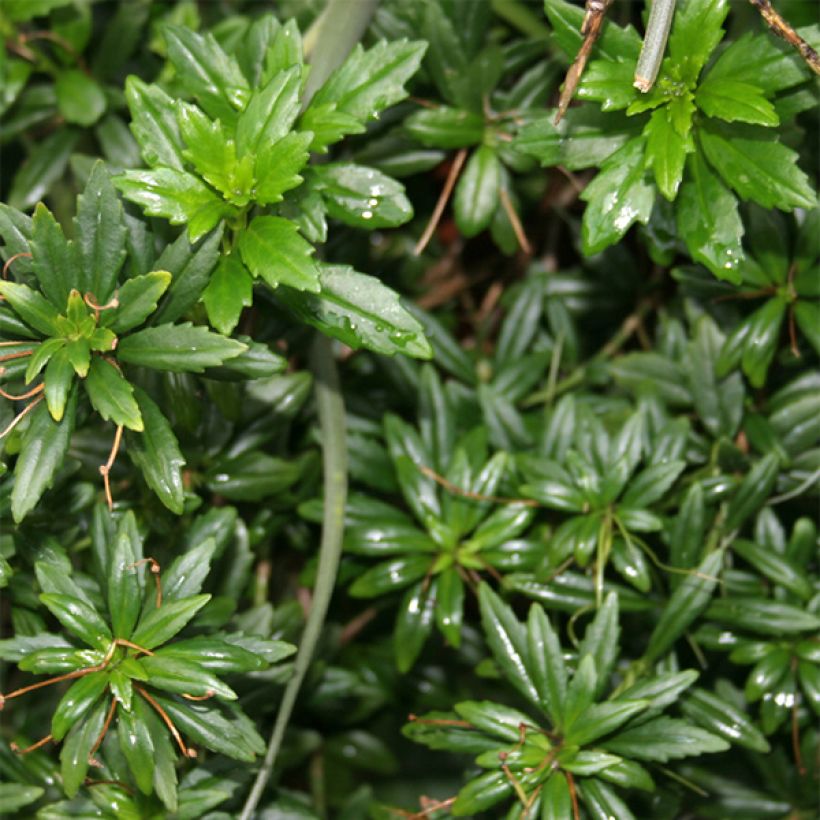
x=449, y=184
x=781, y=28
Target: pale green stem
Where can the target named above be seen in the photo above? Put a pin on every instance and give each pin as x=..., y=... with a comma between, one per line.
x=334, y=447
x=654, y=44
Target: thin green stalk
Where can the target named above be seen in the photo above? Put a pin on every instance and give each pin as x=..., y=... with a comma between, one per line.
x=332, y=422
x=654, y=44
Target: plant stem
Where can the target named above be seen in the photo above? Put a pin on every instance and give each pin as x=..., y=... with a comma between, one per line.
x=334, y=448
x=520, y=16
x=654, y=44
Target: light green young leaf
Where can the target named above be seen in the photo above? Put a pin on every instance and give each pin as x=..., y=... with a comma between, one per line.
x=278, y=165
x=695, y=34
x=734, y=101
x=270, y=113
x=176, y=195
x=666, y=151
x=272, y=249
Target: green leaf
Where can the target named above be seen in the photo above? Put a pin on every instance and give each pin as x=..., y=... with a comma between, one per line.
x=183, y=677
x=695, y=34
x=666, y=151
x=272, y=249
x=80, y=98
x=137, y=746
x=213, y=155
x=477, y=191
x=615, y=42
x=188, y=572
x=207, y=72
x=601, y=641
x=507, y=639
x=617, y=197
x=664, y=739
x=138, y=299
x=493, y=719
x=218, y=656
x=556, y=801
x=76, y=751
x=55, y=261
x=59, y=378
x=160, y=625
x=76, y=702
x=42, y=451
x=608, y=82
x=584, y=138
x=79, y=618
x=360, y=311
x=414, y=623
x=112, y=396
x=445, y=127
x=752, y=492
x=757, y=167
x=99, y=235
x=688, y=600
x=547, y=666
x=367, y=83
x=362, y=197
x=14, y=796
x=230, y=290
x=601, y=719
x=271, y=112
x=724, y=719
x=154, y=124
x=183, y=348
x=762, y=616
x=482, y=792
x=777, y=568
x=164, y=754
x=734, y=101
x=277, y=167
x=45, y=165
x=209, y=726
x=31, y=307
x=807, y=315
x=124, y=593
x=176, y=195
x=450, y=605
x=709, y=222
x=390, y=575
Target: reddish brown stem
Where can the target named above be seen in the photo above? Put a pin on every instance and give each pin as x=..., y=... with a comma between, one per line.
x=449, y=184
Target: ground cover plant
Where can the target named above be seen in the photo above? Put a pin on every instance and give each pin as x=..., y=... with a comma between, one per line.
x=409, y=409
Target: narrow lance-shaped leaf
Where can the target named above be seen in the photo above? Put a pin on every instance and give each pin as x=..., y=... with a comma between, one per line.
x=183, y=348
x=112, y=396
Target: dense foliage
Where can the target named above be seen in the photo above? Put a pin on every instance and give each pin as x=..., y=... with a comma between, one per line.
x=352, y=398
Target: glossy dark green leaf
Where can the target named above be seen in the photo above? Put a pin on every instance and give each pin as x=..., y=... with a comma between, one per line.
x=414, y=623
x=722, y=718
x=77, y=703
x=124, y=593
x=663, y=739
x=76, y=750
x=270, y=113
x=507, y=639
x=688, y=600
x=666, y=151
x=45, y=165
x=215, y=655
x=445, y=127
x=154, y=124
x=708, y=220
x=362, y=197
x=188, y=572
x=138, y=299
x=449, y=608
x=390, y=575
x=182, y=348
x=31, y=307
x=254, y=475
x=479, y=794
x=156, y=452
x=753, y=491
x=42, y=451
x=757, y=167
x=477, y=191
x=617, y=197
x=776, y=568
x=556, y=801
x=183, y=677
x=112, y=396
x=137, y=746
x=159, y=625
x=762, y=616
x=603, y=802
x=546, y=665
x=601, y=640
x=79, y=618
